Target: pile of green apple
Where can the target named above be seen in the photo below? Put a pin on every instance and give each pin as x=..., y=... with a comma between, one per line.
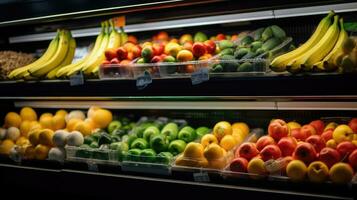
x=101, y=141
x=314, y=151
x=155, y=142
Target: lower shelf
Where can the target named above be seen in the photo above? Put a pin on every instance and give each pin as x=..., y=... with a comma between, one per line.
x=74, y=180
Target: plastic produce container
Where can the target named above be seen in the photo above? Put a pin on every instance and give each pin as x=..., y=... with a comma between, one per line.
x=147, y=164
x=98, y=156
x=114, y=71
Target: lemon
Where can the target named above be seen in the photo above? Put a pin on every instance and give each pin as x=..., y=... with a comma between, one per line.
x=58, y=122
x=25, y=127
x=62, y=113
x=46, y=122
x=6, y=146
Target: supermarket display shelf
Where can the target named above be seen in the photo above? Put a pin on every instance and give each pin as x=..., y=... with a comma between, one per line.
x=109, y=183
x=299, y=85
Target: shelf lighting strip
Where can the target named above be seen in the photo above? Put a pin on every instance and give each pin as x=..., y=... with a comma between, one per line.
x=192, y=105
x=199, y=21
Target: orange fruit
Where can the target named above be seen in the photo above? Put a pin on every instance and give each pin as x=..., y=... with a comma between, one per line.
x=46, y=122
x=34, y=136
x=61, y=113
x=28, y=113
x=30, y=152
x=58, y=122
x=45, y=115
x=22, y=141
x=91, y=111
x=41, y=152
x=72, y=123
x=228, y=142
x=12, y=119
x=102, y=118
x=84, y=127
x=25, y=127
x=6, y=146
x=221, y=129
x=242, y=126
x=184, y=56
x=45, y=137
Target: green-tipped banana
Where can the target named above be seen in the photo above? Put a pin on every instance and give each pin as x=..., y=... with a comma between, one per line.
x=55, y=60
x=317, y=52
x=20, y=72
x=327, y=64
x=68, y=59
x=279, y=63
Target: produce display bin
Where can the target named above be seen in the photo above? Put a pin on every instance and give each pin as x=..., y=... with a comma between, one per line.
x=98, y=156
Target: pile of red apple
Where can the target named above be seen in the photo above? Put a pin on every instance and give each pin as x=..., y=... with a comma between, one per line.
x=312, y=151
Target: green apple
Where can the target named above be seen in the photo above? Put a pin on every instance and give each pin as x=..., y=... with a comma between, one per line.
x=170, y=130
x=139, y=130
x=201, y=131
x=94, y=145
x=164, y=157
x=187, y=134
x=113, y=125
x=131, y=138
x=152, y=130
x=159, y=143
x=177, y=146
x=133, y=154
x=88, y=140
x=148, y=155
x=120, y=146
x=118, y=132
x=139, y=143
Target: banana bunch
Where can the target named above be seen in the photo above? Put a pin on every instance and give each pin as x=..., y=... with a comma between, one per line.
x=59, y=53
x=319, y=52
x=89, y=65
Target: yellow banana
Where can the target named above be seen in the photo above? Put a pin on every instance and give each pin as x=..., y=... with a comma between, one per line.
x=97, y=58
x=123, y=36
x=66, y=61
x=52, y=47
x=317, y=52
x=114, y=42
x=56, y=59
x=327, y=62
x=280, y=62
x=75, y=67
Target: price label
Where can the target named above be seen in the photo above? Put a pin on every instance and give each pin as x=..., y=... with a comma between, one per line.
x=201, y=177
x=92, y=167
x=143, y=81
x=76, y=79
x=119, y=21
x=200, y=76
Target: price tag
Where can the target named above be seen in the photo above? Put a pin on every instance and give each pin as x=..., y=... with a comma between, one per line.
x=119, y=21
x=143, y=80
x=201, y=177
x=76, y=79
x=200, y=76
x=92, y=167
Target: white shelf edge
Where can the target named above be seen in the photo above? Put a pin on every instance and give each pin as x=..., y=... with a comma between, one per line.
x=346, y=106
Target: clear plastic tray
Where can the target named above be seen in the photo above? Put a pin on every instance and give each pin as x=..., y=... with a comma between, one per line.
x=114, y=71
x=146, y=164
x=98, y=156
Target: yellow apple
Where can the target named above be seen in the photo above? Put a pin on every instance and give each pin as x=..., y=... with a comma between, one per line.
x=331, y=125
x=293, y=125
x=331, y=143
x=213, y=152
x=256, y=167
x=193, y=150
x=208, y=139
x=341, y=173
x=228, y=142
x=317, y=172
x=296, y=170
x=342, y=133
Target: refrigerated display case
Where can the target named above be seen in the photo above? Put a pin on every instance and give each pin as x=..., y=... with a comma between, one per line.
x=252, y=98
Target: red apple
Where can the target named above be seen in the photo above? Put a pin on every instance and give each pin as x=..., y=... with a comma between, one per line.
x=188, y=46
x=329, y=156
x=264, y=141
x=327, y=135
x=198, y=49
x=287, y=145
x=352, y=159
x=110, y=53
x=156, y=59
x=136, y=50
x=286, y=160
x=247, y=150
x=295, y=133
x=317, y=142
x=319, y=126
x=345, y=148
x=353, y=124
x=122, y=53
x=114, y=61
x=271, y=151
x=305, y=152
x=239, y=165
x=210, y=46
x=220, y=36
x=278, y=129
x=305, y=132
x=158, y=49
